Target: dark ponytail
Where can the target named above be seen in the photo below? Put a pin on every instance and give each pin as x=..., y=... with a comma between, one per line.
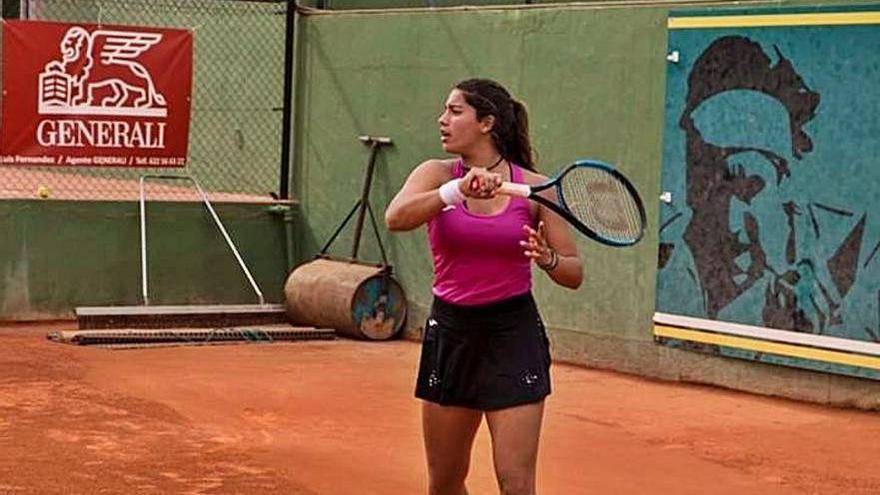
x=523, y=145
x=510, y=131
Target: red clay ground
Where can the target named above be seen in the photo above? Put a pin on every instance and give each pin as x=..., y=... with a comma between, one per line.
x=338, y=418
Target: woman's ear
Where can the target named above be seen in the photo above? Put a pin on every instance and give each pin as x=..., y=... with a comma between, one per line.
x=487, y=124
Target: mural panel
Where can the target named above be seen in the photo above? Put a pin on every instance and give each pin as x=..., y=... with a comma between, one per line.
x=771, y=173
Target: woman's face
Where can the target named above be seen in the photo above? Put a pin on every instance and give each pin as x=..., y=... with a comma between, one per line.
x=460, y=130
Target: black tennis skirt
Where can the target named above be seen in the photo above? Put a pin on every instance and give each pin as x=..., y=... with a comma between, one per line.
x=484, y=357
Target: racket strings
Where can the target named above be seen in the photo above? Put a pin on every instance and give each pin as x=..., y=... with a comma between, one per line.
x=602, y=203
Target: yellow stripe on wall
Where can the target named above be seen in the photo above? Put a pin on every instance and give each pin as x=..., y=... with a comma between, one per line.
x=768, y=347
x=770, y=20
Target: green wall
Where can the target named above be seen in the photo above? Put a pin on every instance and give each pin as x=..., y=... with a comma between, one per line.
x=584, y=95
x=56, y=255
x=332, y=5
x=381, y=4
x=593, y=79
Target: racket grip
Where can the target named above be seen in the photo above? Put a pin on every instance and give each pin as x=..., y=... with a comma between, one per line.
x=514, y=189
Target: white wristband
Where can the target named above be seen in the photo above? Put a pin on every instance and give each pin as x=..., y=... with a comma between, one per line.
x=450, y=193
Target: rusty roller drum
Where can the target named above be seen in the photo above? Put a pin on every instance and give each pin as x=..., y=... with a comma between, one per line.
x=347, y=297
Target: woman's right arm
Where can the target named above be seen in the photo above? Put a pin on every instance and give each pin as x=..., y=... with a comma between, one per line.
x=418, y=200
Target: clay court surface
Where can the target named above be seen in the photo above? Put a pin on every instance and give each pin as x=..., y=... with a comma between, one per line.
x=338, y=418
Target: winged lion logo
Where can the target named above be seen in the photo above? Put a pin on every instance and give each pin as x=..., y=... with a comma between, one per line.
x=99, y=74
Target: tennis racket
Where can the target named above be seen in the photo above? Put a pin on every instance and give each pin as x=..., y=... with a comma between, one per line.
x=594, y=198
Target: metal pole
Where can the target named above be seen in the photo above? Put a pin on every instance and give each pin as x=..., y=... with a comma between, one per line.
x=375, y=143
x=229, y=242
x=214, y=215
x=144, y=292
x=365, y=198
x=287, y=109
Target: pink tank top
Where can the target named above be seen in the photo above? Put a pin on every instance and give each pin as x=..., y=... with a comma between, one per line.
x=477, y=258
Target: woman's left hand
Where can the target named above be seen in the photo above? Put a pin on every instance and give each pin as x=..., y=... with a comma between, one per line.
x=536, y=245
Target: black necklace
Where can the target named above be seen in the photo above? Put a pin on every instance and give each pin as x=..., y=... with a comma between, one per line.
x=490, y=167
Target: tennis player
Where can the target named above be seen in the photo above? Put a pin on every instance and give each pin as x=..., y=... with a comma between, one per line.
x=485, y=350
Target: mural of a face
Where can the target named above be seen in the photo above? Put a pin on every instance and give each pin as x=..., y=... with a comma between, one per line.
x=742, y=233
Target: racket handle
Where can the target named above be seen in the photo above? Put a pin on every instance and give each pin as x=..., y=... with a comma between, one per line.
x=514, y=189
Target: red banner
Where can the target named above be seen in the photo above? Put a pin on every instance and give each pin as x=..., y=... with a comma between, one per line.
x=90, y=95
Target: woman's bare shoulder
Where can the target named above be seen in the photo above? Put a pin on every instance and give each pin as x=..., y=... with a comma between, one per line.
x=445, y=163
x=437, y=167
x=532, y=178
x=429, y=174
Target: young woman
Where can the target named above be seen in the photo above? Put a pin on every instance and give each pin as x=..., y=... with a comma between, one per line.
x=484, y=351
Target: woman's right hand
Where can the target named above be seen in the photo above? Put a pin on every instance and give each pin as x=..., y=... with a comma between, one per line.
x=480, y=183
